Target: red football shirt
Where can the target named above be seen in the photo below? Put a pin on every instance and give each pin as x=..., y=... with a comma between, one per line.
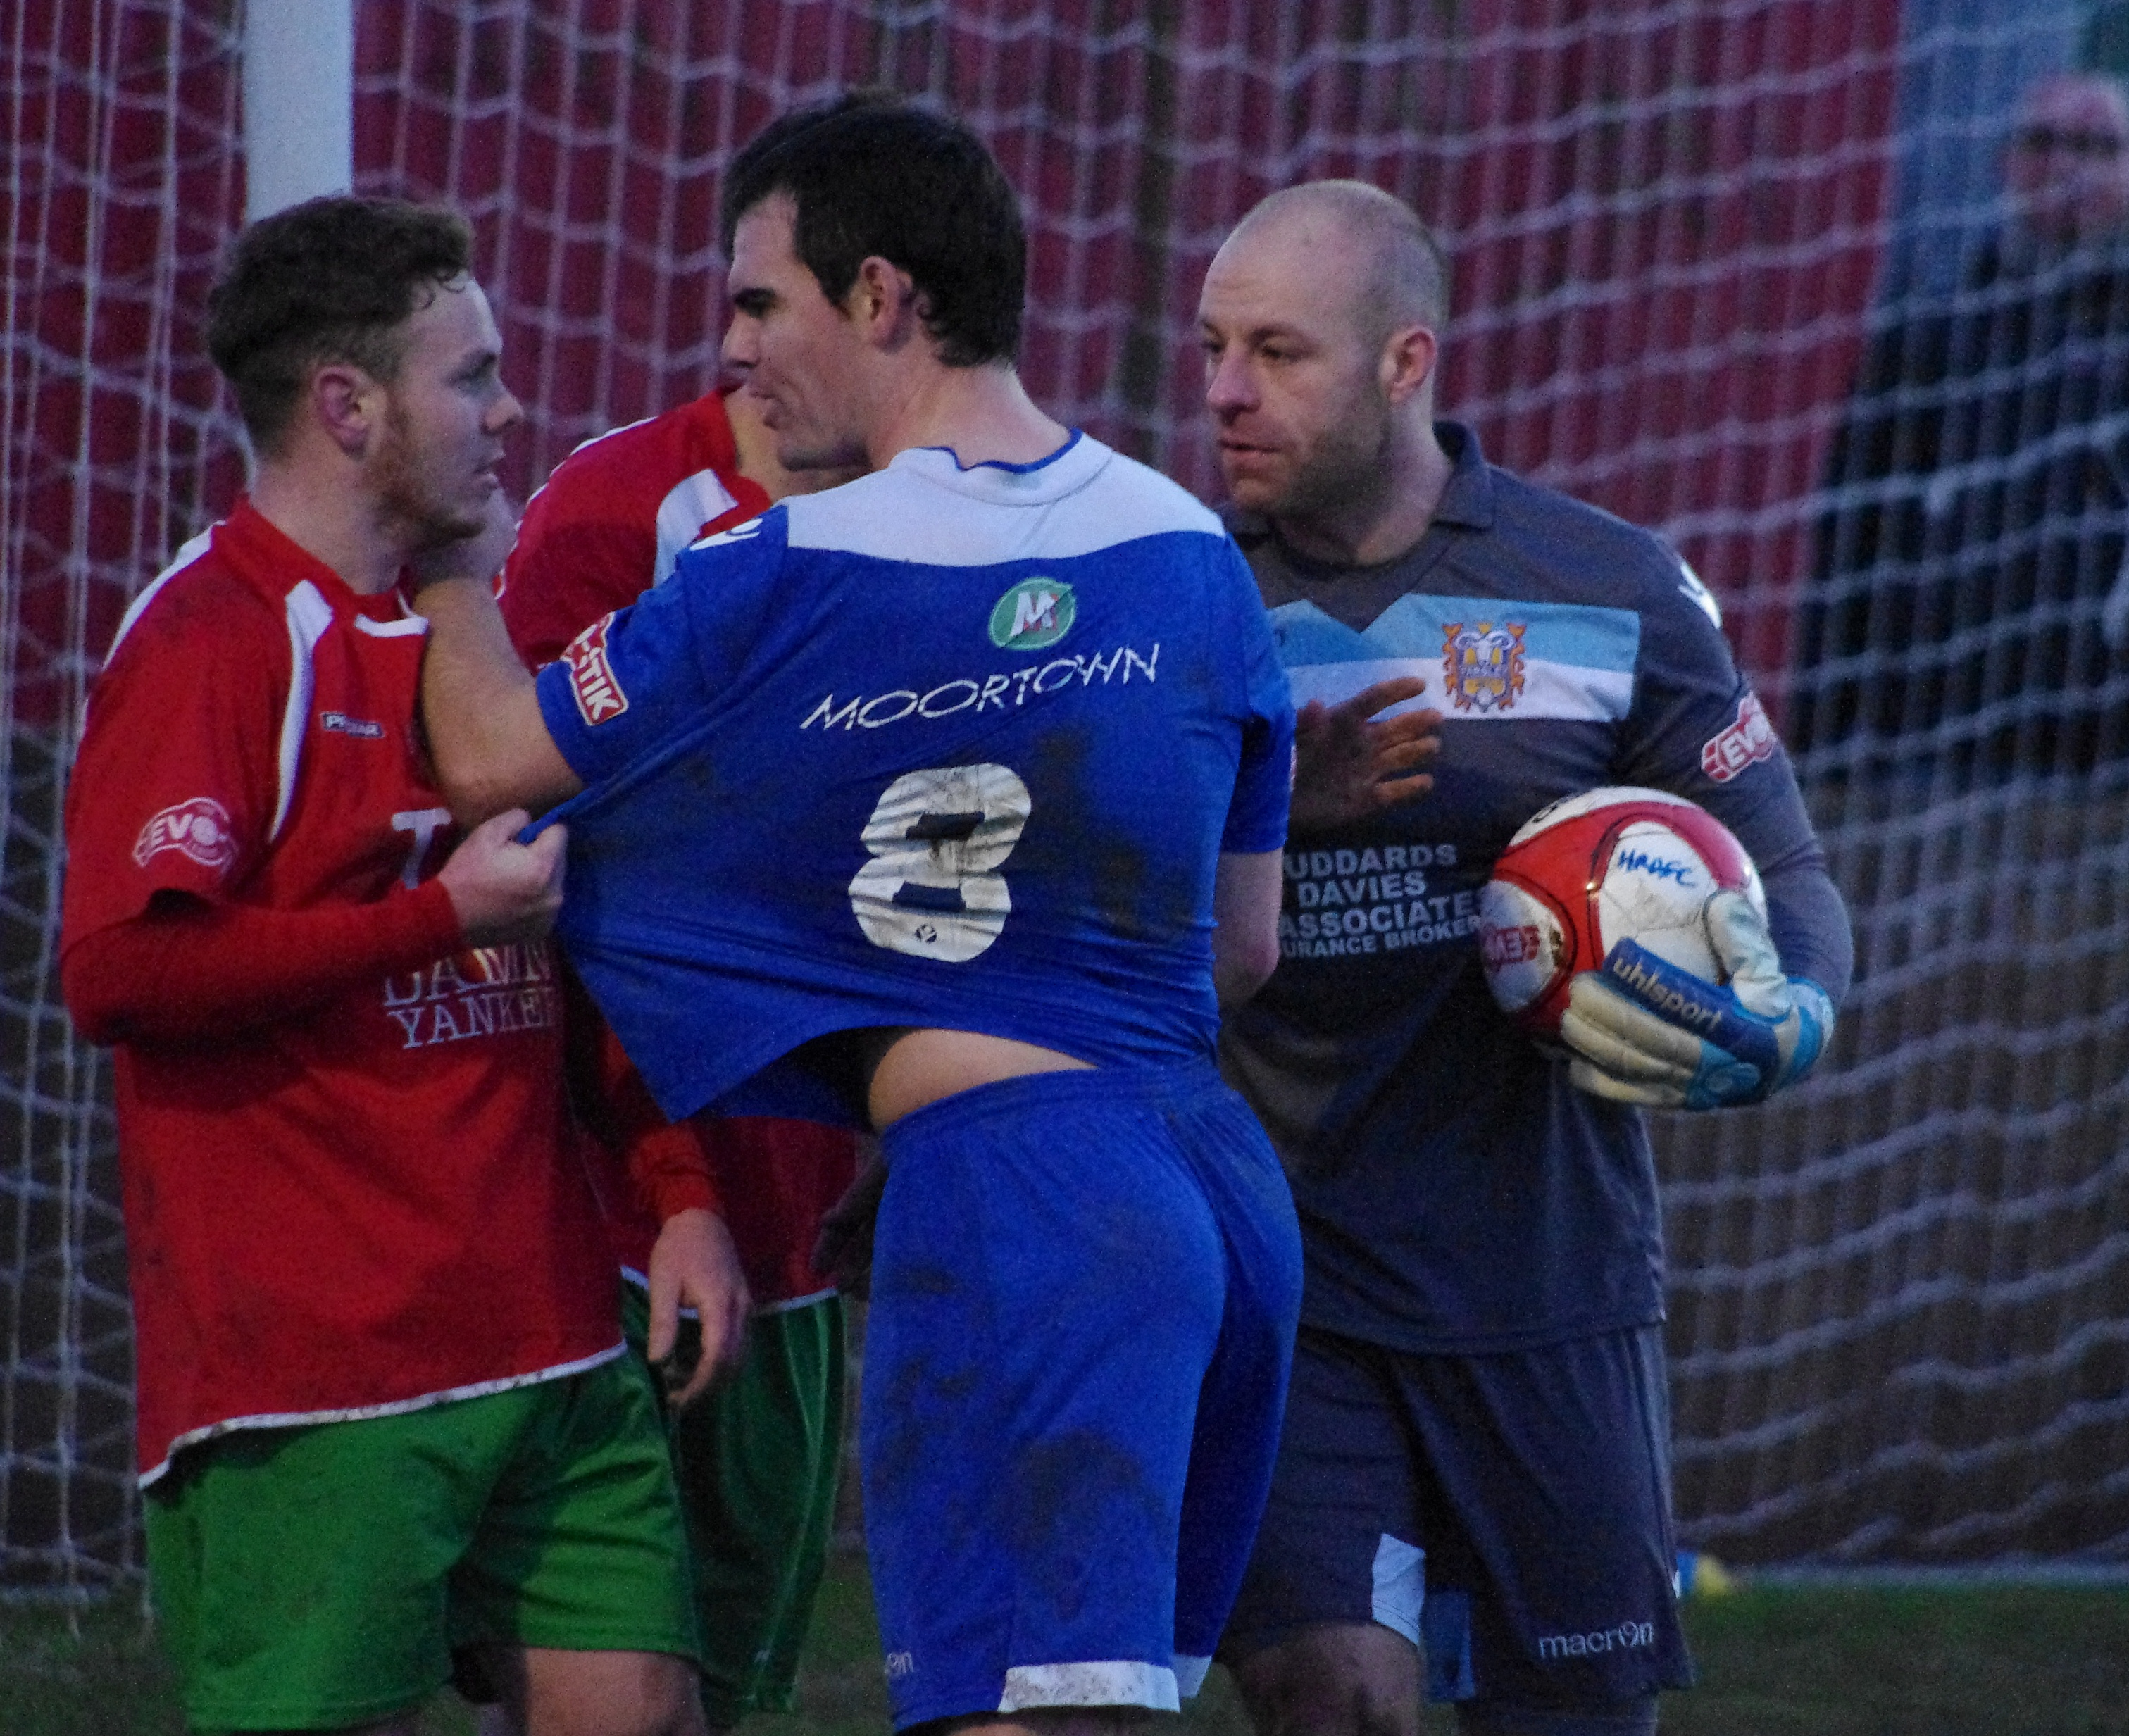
x=373, y=1205
x=612, y=521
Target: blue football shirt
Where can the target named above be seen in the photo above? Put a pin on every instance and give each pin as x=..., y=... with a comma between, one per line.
x=946, y=747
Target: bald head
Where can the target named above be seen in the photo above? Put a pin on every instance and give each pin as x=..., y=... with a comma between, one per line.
x=1318, y=319
x=1358, y=237
x=2067, y=166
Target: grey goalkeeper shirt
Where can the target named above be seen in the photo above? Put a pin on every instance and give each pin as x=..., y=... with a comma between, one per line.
x=1456, y=1193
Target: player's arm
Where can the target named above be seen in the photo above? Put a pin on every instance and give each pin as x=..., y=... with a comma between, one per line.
x=490, y=744
x=694, y=1263
x=186, y=969
x=176, y=791
x=625, y=687
x=488, y=740
x=1249, y=881
x=189, y=968
x=1246, y=896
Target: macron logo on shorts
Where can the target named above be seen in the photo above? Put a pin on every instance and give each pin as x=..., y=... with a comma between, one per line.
x=1628, y=1636
x=198, y=829
x=598, y=696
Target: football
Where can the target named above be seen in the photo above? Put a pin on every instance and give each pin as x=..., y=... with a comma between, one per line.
x=1590, y=871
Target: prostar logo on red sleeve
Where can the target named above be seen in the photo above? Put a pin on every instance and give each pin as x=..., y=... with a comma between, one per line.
x=1745, y=742
x=597, y=694
x=198, y=829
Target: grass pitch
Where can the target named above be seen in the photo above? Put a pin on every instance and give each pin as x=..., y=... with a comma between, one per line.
x=1774, y=1660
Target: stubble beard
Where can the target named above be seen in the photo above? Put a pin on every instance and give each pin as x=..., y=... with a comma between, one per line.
x=1347, y=469
x=406, y=495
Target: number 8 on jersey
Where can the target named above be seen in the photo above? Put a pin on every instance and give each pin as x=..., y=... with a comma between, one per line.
x=937, y=838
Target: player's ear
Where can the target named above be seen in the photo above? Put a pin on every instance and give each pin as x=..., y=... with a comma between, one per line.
x=346, y=403
x=884, y=303
x=1408, y=359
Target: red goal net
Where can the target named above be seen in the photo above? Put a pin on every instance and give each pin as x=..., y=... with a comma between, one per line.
x=1896, y=1323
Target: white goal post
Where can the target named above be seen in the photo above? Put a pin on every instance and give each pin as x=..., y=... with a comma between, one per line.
x=298, y=101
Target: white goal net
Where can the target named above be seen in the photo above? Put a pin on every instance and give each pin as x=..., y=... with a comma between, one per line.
x=119, y=178
x=1900, y=1302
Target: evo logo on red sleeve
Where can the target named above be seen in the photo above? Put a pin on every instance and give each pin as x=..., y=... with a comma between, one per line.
x=198, y=829
x=597, y=694
x=1745, y=742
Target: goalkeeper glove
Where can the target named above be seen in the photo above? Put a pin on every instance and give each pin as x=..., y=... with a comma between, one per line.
x=1644, y=1031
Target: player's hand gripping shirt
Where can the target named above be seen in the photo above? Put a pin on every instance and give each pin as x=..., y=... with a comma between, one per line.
x=1456, y=1193
x=367, y=1205
x=612, y=523
x=942, y=747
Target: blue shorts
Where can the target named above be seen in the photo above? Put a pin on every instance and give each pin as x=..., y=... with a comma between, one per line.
x=1511, y=1512
x=1084, y=1291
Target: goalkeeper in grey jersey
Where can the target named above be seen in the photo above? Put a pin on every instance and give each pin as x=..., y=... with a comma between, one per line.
x=1475, y=1447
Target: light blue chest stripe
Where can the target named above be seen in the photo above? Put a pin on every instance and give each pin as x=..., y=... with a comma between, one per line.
x=1550, y=691
x=1577, y=635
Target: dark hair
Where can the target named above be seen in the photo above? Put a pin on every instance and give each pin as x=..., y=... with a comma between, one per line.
x=330, y=280
x=870, y=174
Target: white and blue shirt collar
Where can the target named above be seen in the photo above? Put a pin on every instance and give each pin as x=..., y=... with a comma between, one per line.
x=1052, y=477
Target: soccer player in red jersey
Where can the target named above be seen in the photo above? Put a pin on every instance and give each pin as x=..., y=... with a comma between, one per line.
x=757, y=1459
x=387, y=1428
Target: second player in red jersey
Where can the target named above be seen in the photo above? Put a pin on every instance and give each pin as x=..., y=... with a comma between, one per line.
x=607, y=526
x=758, y=1459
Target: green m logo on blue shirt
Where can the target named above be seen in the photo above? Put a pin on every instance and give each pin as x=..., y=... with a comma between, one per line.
x=1035, y=613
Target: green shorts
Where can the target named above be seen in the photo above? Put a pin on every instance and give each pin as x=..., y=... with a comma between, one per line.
x=758, y=1462
x=320, y=1575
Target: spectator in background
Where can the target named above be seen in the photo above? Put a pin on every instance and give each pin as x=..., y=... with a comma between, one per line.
x=1969, y=620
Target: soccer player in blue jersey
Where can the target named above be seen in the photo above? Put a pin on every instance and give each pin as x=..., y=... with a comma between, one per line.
x=1475, y=1452
x=956, y=795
